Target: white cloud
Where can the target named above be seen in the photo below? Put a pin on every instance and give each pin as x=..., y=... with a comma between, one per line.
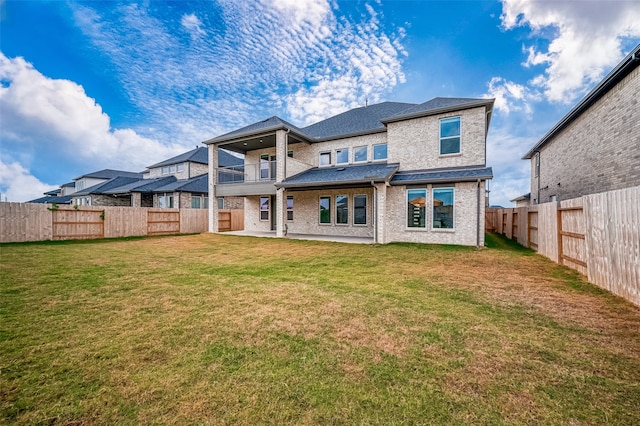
x=192, y=24
x=54, y=119
x=586, y=39
x=510, y=96
x=266, y=57
x=18, y=184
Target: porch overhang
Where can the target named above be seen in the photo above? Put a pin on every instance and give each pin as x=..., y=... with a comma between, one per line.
x=436, y=176
x=244, y=189
x=353, y=176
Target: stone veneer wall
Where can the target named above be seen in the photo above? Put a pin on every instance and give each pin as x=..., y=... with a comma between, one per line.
x=599, y=151
x=465, y=217
x=415, y=144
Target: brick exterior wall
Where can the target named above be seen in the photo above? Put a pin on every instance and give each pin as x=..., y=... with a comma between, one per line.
x=465, y=217
x=415, y=144
x=108, y=200
x=597, y=152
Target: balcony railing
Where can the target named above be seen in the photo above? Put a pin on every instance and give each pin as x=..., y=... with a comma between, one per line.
x=263, y=172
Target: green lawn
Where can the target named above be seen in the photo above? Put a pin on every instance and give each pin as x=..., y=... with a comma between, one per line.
x=215, y=329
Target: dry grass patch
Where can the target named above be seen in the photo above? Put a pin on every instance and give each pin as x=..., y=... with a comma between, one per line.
x=218, y=329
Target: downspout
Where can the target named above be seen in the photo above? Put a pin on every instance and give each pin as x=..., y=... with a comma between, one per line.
x=478, y=216
x=537, y=166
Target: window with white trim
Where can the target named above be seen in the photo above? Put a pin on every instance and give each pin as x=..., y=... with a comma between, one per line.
x=165, y=200
x=165, y=170
x=221, y=203
x=172, y=168
x=264, y=208
x=325, y=159
x=450, y=136
x=360, y=154
x=360, y=209
x=342, y=156
x=289, y=207
x=417, y=208
x=380, y=152
x=181, y=167
x=443, y=201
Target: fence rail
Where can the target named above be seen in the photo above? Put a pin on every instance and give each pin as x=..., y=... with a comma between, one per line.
x=598, y=235
x=21, y=222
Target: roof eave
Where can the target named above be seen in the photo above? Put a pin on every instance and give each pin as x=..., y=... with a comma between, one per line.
x=442, y=180
x=624, y=68
x=255, y=133
x=350, y=135
x=485, y=102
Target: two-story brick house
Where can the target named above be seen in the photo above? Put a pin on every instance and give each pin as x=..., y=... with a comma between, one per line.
x=596, y=146
x=387, y=172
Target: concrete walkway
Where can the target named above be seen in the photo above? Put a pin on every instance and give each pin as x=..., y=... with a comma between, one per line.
x=313, y=237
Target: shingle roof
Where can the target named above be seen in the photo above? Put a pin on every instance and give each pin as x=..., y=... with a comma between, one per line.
x=460, y=174
x=52, y=199
x=270, y=124
x=104, y=187
x=356, y=121
x=53, y=192
x=68, y=184
x=198, y=184
x=142, y=185
x=110, y=174
x=347, y=175
x=200, y=155
x=437, y=106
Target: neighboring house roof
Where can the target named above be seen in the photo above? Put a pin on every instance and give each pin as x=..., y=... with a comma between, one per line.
x=438, y=106
x=199, y=184
x=104, y=187
x=329, y=176
x=357, y=121
x=52, y=199
x=458, y=174
x=142, y=185
x=200, y=155
x=68, y=185
x=624, y=68
x=110, y=174
x=53, y=192
x=524, y=197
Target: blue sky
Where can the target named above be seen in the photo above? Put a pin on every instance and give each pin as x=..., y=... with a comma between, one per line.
x=108, y=84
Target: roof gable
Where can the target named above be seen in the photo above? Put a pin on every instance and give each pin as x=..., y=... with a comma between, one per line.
x=103, y=187
x=110, y=174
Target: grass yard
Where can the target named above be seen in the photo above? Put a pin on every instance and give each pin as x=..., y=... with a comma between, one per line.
x=215, y=329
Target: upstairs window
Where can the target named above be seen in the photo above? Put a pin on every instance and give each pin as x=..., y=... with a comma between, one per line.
x=380, y=152
x=181, y=167
x=450, y=136
x=325, y=159
x=290, y=154
x=342, y=156
x=172, y=168
x=165, y=170
x=359, y=154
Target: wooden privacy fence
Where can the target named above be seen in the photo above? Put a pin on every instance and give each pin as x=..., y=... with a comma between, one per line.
x=230, y=220
x=39, y=222
x=597, y=234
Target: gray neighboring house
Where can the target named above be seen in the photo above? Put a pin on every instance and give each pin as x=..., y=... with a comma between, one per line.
x=596, y=146
x=386, y=172
x=98, y=195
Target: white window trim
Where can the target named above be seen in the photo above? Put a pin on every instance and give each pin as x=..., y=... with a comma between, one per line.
x=366, y=210
x=260, y=208
x=453, y=202
x=330, y=212
x=342, y=149
x=290, y=209
x=366, y=147
x=453, y=154
x=373, y=152
x=406, y=211
x=320, y=159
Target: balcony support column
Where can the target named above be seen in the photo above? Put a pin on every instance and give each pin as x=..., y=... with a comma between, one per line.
x=213, y=180
x=281, y=160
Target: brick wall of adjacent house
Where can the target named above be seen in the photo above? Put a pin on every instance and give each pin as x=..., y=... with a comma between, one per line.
x=597, y=152
x=465, y=217
x=233, y=203
x=415, y=144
